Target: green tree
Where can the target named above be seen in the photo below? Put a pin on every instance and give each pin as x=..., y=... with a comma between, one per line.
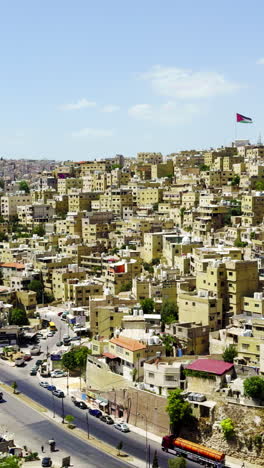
x=178, y=462
x=18, y=317
x=204, y=168
x=14, y=387
x=168, y=342
x=228, y=428
x=148, y=267
x=259, y=185
x=23, y=185
x=10, y=462
x=36, y=286
x=147, y=305
x=3, y=237
x=69, y=360
x=155, y=206
x=155, y=461
x=69, y=420
x=254, y=387
x=2, y=184
x=126, y=286
x=229, y=353
x=169, y=312
x=39, y=230
x=179, y=410
x=235, y=180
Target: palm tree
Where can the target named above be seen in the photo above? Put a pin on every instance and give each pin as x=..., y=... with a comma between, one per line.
x=168, y=342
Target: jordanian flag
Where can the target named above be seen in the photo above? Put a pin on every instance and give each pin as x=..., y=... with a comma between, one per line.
x=242, y=119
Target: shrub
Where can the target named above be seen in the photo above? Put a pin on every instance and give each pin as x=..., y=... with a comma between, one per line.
x=228, y=428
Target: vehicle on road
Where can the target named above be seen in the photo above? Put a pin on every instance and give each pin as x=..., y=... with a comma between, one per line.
x=27, y=356
x=46, y=462
x=122, y=427
x=60, y=313
x=58, y=373
x=50, y=334
x=39, y=335
x=80, y=404
x=51, y=388
x=95, y=412
x=19, y=362
x=107, y=419
x=59, y=343
x=52, y=327
x=44, y=384
x=75, y=338
x=33, y=371
x=39, y=362
x=195, y=452
x=58, y=393
x=35, y=350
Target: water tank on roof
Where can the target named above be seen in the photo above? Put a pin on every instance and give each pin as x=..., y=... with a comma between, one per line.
x=151, y=341
x=179, y=352
x=247, y=333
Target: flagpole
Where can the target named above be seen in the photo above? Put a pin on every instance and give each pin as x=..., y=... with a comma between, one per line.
x=235, y=127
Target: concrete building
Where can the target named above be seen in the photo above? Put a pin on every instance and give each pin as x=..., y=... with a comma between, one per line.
x=161, y=375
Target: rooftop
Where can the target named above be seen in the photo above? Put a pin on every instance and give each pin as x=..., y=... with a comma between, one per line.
x=128, y=343
x=210, y=365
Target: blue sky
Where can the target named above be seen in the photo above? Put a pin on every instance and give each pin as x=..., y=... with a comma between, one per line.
x=83, y=79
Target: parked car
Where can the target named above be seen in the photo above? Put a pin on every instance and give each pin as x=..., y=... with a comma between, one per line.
x=35, y=350
x=33, y=371
x=46, y=462
x=58, y=373
x=50, y=334
x=122, y=427
x=107, y=419
x=59, y=343
x=39, y=335
x=75, y=338
x=60, y=313
x=27, y=356
x=39, y=362
x=51, y=388
x=80, y=404
x=58, y=393
x=44, y=384
x=95, y=412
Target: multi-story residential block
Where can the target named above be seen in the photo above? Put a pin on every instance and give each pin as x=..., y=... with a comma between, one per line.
x=10, y=203
x=200, y=307
x=65, y=185
x=161, y=375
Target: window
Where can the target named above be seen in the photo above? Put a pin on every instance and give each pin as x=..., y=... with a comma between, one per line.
x=230, y=273
x=170, y=378
x=256, y=305
x=151, y=375
x=245, y=346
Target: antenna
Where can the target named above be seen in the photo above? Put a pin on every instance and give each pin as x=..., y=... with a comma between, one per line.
x=259, y=142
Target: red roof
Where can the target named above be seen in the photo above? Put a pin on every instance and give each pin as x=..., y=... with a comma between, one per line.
x=18, y=266
x=210, y=365
x=109, y=355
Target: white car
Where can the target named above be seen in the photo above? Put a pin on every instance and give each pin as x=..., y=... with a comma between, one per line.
x=58, y=373
x=50, y=334
x=122, y=427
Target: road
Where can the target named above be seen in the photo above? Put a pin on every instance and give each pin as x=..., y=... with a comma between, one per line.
x=38, y=430
x=133, y=443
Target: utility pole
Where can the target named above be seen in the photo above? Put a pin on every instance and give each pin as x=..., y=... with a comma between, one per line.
x=62, y=408
x=87, y=424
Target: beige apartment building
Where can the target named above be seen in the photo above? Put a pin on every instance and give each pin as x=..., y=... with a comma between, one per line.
x=60, y=278
x=10, y=203
x=252, y=207
x=79, y=292
x=199, y=307
x=81, y=201
x=65, y=185
x=243, y=280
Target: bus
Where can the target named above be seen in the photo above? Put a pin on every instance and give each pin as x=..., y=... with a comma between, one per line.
x=52, y=326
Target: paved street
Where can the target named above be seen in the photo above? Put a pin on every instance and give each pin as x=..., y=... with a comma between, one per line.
x=33, y=430
x=133, y=443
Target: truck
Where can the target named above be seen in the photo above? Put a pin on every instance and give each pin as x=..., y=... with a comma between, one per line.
x=192, y=451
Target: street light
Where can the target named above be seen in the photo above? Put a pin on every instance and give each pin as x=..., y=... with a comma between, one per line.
x=62, y=409
x=87, y=424
x=147, y=454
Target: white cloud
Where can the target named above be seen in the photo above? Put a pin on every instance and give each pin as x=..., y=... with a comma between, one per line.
x=260, y=61
x=170, y=113
x=110, y=108
x=92, y=133
x=81, y=104
x=188, y=84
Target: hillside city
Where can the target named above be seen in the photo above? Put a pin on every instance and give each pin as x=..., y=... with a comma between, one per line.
x=132, y=307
